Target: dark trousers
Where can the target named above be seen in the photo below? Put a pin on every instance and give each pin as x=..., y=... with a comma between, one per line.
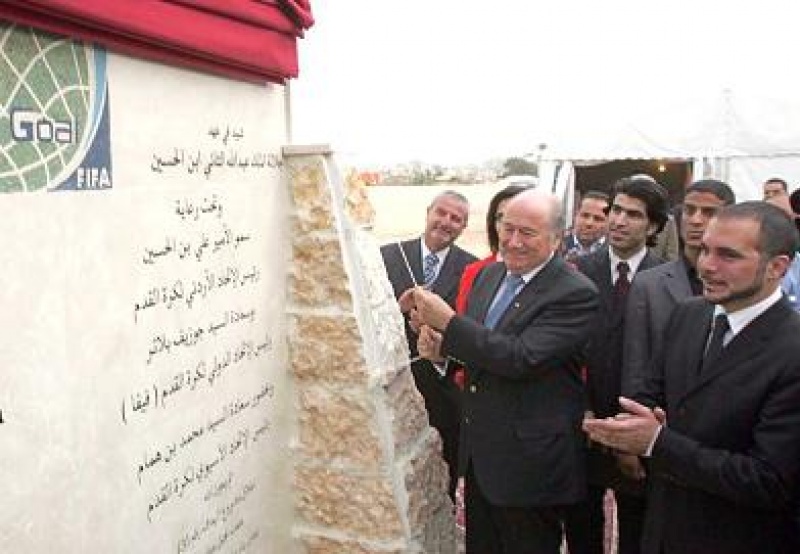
x=509, y=530
x=630, y=518
x=585, y=523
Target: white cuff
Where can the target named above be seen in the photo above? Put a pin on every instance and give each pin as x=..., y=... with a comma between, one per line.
x=649, y=452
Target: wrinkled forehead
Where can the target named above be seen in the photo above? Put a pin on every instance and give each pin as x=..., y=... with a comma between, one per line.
x=528, y=214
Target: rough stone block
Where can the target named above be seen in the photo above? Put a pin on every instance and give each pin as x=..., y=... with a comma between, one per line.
x=325, y=545
x=358, y=505
x=317, y=276
x=311, y=197
x=426, y=482
x=409, y=417
x=339, y=428
x=326, y=348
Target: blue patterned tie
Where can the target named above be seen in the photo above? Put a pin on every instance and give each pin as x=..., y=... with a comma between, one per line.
x=429, y=270
x=507, y=293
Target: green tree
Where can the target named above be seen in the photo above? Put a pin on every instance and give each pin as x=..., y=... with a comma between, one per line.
x=519, y=166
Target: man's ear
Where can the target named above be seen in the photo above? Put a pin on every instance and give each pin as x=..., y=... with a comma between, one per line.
x=777, y=267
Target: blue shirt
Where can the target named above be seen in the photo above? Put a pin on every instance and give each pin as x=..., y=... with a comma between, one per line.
x=791, y=283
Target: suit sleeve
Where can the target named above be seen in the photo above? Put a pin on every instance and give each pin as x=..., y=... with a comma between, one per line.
x=765, y=475
x=547, y=340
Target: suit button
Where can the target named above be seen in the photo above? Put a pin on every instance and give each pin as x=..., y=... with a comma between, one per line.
x=473, y=388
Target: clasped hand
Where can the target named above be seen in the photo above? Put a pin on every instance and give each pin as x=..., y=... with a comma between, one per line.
x=631, y=431
x=428, y=316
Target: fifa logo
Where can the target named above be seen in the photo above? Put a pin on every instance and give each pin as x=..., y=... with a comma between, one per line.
x=29, y=126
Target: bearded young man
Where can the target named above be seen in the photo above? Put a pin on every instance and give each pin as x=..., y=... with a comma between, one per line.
x=719, y=417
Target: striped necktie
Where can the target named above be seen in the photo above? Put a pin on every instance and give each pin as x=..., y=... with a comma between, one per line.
x=429, y=269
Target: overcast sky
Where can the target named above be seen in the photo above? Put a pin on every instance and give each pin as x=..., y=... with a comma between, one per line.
x=455, y=81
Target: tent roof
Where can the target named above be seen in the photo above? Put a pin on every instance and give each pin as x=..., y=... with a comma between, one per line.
x=717, y=126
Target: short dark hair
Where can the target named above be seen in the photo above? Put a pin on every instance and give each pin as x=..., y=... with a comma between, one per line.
x=596, y=195
x=784, y=185
x=712, y=186
x=652, y=194
x=777, y=232
x=491, y=213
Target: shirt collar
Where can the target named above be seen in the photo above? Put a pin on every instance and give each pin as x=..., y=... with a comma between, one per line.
x=740, y=319
x=441, y=254
x=576, y=245
x=633, y=262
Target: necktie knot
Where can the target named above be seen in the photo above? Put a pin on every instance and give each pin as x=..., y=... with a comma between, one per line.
x=623, y=282
x=429, y=269
x=513, y=281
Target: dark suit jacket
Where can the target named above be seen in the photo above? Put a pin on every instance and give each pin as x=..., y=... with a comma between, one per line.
x=604, y=352
x=653, y=295
x=523, y=402
x=446, y=284
x=604, y=365
x=724, y=472
x=441, y=395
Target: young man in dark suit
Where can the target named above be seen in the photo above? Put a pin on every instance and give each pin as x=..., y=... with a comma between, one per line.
x=719, y=416
x=589, y=228
x=527, y=319
x=637, y=214
x=434, y=261
x=655, y=292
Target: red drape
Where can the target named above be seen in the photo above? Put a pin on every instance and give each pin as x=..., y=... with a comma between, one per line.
x=253, y=40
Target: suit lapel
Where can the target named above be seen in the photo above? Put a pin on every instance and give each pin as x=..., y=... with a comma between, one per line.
x=749, y=342
x=606, y=287
x=695, y=347
x=676, y=282
x=448, y=277
x=413, y=251
x=483, y=295
x=532, y=292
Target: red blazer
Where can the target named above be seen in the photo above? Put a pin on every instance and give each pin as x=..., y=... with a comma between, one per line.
x=467, y=278
x=464, y=287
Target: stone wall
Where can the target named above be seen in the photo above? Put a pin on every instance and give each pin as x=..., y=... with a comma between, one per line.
x=368, y=472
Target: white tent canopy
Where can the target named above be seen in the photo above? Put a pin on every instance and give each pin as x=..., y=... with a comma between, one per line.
x=740, y=139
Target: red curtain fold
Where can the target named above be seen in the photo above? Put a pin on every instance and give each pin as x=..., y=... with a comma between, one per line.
x=242, y=39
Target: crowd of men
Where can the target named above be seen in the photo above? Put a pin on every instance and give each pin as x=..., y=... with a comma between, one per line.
x=583, y=365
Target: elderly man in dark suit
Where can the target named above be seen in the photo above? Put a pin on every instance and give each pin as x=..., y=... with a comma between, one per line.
x=719, y=416
x=637, y=214
x=434, y=261
x=526, y=321
x=655, y=292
